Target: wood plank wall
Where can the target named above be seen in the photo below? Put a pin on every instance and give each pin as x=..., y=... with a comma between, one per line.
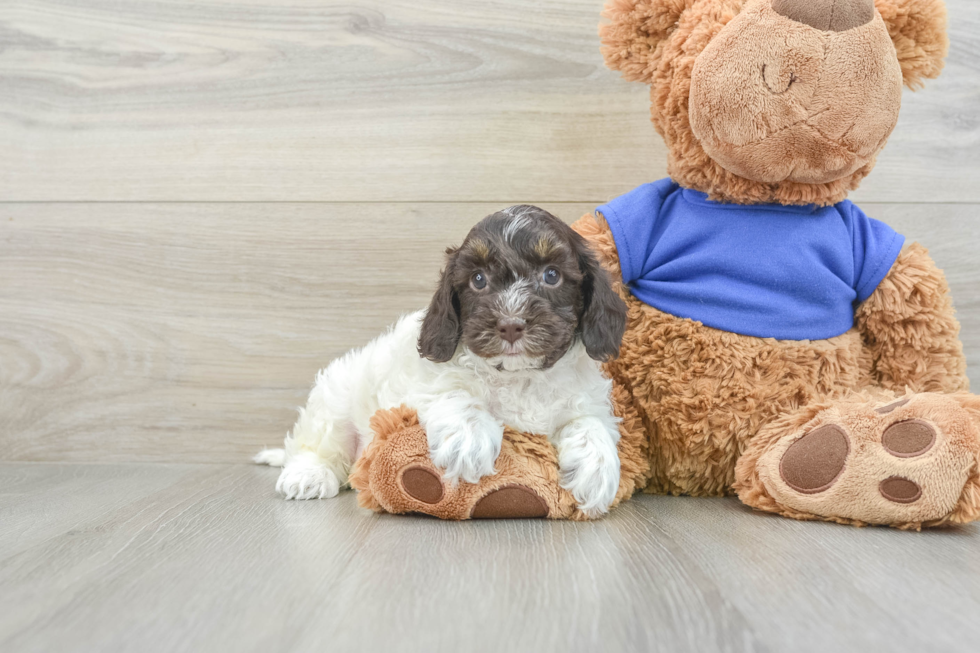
x=201, y=203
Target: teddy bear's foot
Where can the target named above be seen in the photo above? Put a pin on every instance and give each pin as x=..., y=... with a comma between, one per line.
x=907, y=462
x=394, y=474
x=508, y=501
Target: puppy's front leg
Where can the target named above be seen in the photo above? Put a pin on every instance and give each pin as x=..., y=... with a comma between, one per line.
x=464, y=438
x=589, y=462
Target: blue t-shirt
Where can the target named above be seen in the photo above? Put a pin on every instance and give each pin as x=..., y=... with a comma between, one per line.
x=770, y=271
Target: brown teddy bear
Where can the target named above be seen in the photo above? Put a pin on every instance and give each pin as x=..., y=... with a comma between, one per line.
x=781, y=344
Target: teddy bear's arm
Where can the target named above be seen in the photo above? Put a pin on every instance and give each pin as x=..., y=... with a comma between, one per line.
x=909, y=326
x=596, y=232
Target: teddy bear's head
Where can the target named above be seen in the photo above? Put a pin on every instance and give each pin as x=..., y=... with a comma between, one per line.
x=785, y=101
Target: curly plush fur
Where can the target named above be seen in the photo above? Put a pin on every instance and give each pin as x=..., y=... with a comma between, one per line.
x=708, y=392
x=910, y=330
x=709, y=412
x=658, y=41
x=918, y=30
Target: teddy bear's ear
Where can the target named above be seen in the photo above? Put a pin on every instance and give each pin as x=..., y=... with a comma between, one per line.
x=633, y=31
x=918, y=30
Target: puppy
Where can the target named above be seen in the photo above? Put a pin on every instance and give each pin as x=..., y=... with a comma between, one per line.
x=521, y=316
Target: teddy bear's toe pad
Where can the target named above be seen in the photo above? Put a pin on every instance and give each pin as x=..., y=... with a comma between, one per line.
x=900, y=490
x=510, y=502
x=909, y=438
x=815, y=461
x=422, y=484
x=908, y=463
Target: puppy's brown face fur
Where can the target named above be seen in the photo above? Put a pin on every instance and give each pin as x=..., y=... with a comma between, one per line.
x=519, y=291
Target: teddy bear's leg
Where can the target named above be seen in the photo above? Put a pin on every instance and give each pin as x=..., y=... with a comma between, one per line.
x=869, y=458
x=395, y=474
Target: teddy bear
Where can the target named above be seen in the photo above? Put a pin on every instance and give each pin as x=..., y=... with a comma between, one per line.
x=781, y=345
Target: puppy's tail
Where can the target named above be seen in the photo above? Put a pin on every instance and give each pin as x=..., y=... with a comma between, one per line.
x=271, y=457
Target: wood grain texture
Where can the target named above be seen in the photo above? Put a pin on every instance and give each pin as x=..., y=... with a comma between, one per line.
x=142, y=337
x=207, y=557
x=190, y=332
x=362, y=100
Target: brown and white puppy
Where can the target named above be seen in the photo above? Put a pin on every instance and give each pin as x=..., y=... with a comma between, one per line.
x=513, y=336
x=519, y=290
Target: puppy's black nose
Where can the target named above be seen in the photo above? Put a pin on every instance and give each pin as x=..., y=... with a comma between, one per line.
x=510, y=331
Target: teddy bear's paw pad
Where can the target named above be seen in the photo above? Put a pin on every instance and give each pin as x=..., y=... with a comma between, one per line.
x=900, y=490
x=905, y=462
x=908, y=439
x=815, y=461
x=422, y=484
x=510, y=502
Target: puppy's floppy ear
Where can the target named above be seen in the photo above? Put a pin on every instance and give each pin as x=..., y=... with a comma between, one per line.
x=918, y=30
x=634, y=30
x=441, y=328
x=603, y=318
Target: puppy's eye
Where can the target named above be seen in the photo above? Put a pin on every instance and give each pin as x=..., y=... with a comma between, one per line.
x=552, y=276
x=478, y=281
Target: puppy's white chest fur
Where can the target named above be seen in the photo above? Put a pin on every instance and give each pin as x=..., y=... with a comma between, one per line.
x=389, y=372
x=542, y=401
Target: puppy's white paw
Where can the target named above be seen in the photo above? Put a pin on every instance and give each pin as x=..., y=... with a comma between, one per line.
x=466, y=450
x=304, y=479
x=589, y=465
x=593, y=483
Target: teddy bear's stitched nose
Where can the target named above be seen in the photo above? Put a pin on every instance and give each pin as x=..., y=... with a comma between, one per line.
x=827, y=15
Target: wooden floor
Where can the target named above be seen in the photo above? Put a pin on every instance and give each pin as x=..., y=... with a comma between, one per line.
x=202, y=203
x=178, y=557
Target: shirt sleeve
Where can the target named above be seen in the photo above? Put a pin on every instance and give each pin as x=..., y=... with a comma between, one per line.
x=876, y=246
x=632, y=219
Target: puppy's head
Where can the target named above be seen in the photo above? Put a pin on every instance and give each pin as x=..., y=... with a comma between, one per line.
x=519, y=291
